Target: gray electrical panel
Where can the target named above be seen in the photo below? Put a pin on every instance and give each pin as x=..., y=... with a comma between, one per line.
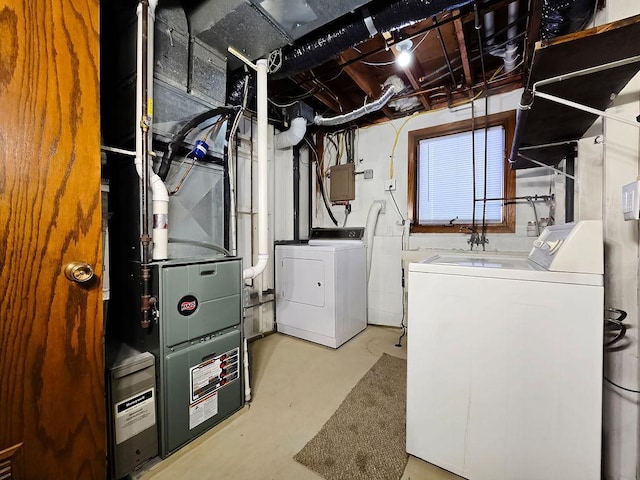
x=131, y=387
x=199, y=346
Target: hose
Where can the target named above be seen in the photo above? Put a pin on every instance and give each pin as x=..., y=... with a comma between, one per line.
x=179, y=137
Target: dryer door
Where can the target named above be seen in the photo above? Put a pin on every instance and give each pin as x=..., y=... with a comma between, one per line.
x=304, y=281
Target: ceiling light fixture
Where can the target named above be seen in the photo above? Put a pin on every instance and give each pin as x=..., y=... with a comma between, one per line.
x=404, y=53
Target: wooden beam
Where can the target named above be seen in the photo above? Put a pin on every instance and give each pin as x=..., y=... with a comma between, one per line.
x=464, y=56
x=533, y=33
x=413, y=72
x=326, y=96
x=415, y=85
x=361, y=75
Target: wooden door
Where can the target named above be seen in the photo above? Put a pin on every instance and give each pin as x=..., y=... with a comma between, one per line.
x=51, y=349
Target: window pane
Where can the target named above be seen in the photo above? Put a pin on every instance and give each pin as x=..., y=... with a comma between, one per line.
x=445, y=177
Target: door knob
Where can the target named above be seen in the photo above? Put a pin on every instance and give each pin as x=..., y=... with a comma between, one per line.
x=79, y=272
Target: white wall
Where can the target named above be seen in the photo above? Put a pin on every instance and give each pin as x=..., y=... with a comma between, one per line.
x=374, y=149
x=608, y=159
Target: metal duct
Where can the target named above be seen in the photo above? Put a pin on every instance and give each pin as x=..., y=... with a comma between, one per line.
x=349, y=32
x=377, y=104
x=560, y=17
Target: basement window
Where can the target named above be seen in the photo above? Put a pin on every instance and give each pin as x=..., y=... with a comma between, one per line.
x=441, y=176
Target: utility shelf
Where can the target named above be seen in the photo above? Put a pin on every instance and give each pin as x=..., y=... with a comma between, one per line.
x=547, y=131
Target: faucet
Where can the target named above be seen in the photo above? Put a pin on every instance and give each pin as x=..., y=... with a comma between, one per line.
x=476, y=239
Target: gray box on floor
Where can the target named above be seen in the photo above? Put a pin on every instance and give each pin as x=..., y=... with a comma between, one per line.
x=131, y=386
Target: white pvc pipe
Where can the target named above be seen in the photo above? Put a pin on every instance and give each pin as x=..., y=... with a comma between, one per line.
x=159, y=192
x=511, y=50
x=489, y=28
x=291, y=137
x=372, y=220
x=263, y=216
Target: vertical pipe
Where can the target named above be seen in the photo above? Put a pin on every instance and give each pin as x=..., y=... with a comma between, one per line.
x=444, y=50
x=569, y=200
x=160, y=196
x=263, y=214
x=310, y=194
x=296, y=193
x=226, y=195
x=143, y=148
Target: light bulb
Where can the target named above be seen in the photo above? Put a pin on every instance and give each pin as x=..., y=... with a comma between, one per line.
x=404, y=59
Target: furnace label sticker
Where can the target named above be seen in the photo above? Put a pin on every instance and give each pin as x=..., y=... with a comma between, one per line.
x=187, y=305
x=203, y=410
x=134, y=415
x=207, y=377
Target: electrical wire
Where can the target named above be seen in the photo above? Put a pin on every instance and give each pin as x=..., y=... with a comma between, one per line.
x=176, y=189
x=320, y=182
x=397, y=208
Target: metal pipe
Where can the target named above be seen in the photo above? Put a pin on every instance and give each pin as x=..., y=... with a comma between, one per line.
x=584, y=108
x=569, y=199
x=586, y=71
x=143, y=148
x=547, y=145
x=473, y=166
x=510, y=199
x=444, y=49
x=375, y=105
x=544, y=165
x=296, y=193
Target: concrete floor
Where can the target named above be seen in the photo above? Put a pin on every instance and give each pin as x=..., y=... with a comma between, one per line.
x=296, y=386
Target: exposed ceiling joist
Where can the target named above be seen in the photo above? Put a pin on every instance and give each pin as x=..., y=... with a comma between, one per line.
x=362, y=77
x=320, y=91
x=466, y=64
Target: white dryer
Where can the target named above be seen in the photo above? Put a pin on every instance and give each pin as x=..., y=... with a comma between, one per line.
x=321, y=293
x=504, y=360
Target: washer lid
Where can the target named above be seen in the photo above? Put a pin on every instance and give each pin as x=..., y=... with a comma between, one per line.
x=506, y=267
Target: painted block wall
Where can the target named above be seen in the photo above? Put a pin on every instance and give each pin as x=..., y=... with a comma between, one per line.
x=373, y=151
x=608, y=159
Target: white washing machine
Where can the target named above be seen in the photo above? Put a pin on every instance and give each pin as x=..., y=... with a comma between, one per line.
x=504, y=356
x=321, y=293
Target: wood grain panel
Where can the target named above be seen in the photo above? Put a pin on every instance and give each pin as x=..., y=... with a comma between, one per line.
x=51, y=357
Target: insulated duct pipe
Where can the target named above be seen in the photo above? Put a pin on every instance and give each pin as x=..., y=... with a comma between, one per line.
x=293, y=136
x=382, y=18
x=263, y=241
x=377, y=104
x=144, y=114
x=560, y=17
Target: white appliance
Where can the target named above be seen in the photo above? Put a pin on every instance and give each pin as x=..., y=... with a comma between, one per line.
x=321, y=291
x=504, y=359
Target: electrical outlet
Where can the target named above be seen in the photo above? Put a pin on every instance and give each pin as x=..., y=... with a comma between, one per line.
x=390, y=185
x=383, y=205
x=368, y=173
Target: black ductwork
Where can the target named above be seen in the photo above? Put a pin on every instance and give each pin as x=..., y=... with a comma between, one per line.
x=560, y=17
x=349, y=32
